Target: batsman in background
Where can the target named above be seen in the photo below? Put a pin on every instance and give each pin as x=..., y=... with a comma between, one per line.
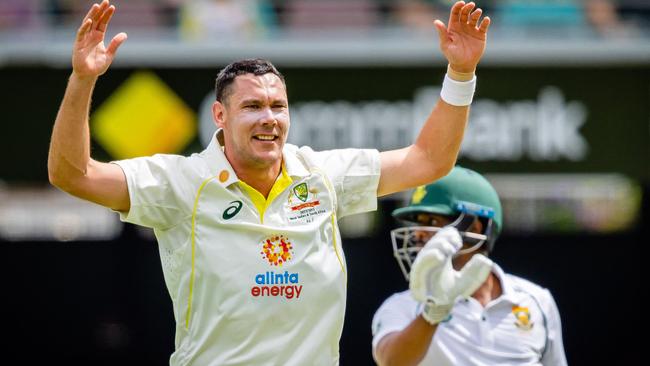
x=461, y=308
x=247, y=229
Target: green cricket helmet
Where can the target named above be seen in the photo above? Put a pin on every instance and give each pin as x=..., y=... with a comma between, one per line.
x=463, y=195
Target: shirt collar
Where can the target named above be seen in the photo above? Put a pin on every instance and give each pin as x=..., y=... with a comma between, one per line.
x=217, y=161
x=295, y=168
x=221, y=167
x=508, y=293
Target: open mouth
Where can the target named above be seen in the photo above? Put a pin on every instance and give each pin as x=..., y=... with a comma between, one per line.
x=265, y=137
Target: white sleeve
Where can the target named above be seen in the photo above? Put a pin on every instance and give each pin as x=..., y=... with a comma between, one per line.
x=395, y=314
x=554, y=352
x=159, y=196
x=354, y=173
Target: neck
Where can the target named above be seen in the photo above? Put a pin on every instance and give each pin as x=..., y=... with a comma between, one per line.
x=260, y=175
x=260, y=179
x=489, y=290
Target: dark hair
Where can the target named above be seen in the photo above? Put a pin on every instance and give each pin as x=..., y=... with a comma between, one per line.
x=253, y=66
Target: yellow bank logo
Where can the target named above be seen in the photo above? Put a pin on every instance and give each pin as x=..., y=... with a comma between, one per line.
x=143, y=117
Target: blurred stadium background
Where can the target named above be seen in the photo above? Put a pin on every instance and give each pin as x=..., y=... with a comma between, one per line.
x=560, y=125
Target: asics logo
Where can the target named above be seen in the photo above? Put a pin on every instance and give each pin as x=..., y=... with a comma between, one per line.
x=232, y=210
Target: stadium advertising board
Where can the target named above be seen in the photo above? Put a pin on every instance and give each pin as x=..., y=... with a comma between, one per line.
x=584, y=128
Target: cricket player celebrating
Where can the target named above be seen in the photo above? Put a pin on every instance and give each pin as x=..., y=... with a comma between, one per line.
x=461, y=309
x=247, y=229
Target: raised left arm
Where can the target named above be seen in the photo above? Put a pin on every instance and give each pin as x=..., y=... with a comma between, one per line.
x=436, y=148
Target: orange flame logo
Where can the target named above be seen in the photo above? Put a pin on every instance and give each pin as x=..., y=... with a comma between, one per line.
x=277, y=250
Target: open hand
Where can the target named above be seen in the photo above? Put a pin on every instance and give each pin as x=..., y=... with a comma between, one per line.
x=463, y=40
x=90, y=58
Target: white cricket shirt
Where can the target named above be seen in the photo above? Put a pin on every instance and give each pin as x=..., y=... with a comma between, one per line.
x=253, y=282
x=521, y=327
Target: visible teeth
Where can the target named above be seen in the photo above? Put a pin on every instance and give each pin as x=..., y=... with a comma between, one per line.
x=265, y=137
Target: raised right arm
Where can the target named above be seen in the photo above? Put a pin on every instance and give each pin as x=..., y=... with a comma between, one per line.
x=69, y=164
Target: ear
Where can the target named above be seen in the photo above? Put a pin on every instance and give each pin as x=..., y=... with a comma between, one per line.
x=218, y=114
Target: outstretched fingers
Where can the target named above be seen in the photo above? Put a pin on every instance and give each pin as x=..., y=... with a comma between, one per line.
x=92, y=12
x=485, y=24
x=463, y=39
x=101, y=8
x=116, y=42
x=467, y=17
x=105, y=19
x=471, y=22
x=474, y=17
x=83, y=30
x=442, y=31
x=96, y=12
x=465, y=11
x=454, y=14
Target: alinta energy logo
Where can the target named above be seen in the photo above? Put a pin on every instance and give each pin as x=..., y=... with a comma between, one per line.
x=277, y=250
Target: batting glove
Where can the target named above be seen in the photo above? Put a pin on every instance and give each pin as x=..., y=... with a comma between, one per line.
x=433, y=280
